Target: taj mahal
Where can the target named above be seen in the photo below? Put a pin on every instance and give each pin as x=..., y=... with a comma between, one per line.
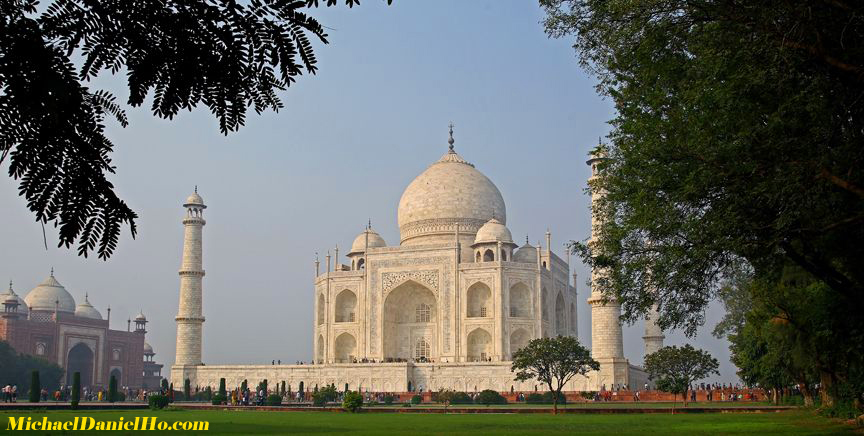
x=446, y=307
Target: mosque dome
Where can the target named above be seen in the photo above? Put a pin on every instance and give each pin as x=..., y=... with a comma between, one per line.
x=493, y=231
x=359, y=244
x=450, y=192
x=140, y=317
x=9, y=295
x=148, y=349
x=86, y=310
x=48, y=292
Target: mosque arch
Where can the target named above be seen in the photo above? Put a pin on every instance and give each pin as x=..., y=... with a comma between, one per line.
x=519, y=339
x=322, y=309
x=479, y=300
x=319, y=356
x=346, y=306
x=479, y=345
x=489, y=256
x=80, y=359
x=560, y=318
x=118, y=376
x=410, y=312
x=345, y=348
x=361, y=264
x=520, y=301
x=479, y=257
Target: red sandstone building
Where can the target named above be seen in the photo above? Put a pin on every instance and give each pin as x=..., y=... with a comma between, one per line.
x=47, y=323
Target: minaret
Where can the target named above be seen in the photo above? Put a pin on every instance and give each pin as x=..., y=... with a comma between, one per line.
x=190, y=316
x=606, y=334
x=653, y=333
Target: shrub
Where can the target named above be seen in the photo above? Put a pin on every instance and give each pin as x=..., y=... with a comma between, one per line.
x=187, y=390
x=222, y=391
x=157, y=402
x=319, y=399
x=548, y=398
x=461, y=398
x=274, y=400
x=534, y=398
x=388, y=400
x=219, y=399
x=76, y=390
x=416, y=399
x=112, y=389
x=35, y=388
x=489, y=396
x=352, y=401
x=588, y=395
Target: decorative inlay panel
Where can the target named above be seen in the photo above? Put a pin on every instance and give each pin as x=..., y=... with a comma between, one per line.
x=391, y=280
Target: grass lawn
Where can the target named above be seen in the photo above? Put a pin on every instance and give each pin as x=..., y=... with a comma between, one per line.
x=253, y=422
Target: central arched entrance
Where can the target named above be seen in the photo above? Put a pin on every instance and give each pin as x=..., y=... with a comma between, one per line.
x=80, y=359
x=410, y=321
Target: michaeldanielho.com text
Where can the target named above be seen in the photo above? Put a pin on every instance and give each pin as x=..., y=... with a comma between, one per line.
x=87, y=423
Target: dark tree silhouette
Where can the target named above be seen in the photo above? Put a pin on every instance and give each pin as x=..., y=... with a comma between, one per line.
x=226, y=55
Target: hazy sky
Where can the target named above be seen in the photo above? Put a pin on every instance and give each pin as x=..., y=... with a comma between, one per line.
x=349, y=141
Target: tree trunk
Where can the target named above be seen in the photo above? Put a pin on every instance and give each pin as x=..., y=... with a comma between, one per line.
x=826, y=393
x=775, y=396
x=554, y=402
x=685, y=397
x=807, y=394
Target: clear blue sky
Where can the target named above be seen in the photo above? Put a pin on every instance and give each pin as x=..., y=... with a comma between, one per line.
x=349, y=141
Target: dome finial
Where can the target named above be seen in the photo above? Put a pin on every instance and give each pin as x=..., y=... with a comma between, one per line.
x=196, y=189
x=369, y=225
x=52, y=271
x=450, y=140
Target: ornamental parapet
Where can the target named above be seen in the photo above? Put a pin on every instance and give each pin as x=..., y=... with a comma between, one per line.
x=194, y=220
x=189, y=318
x=189, y=272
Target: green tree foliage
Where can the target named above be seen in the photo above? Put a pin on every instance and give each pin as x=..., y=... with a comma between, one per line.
x=738, y=137
x=674, y=368
x=228, y=56
x=222, y=390
x=16, y=369
x=164, y=385
x=76, y=390
x=416, y=399
x=187, y=389
x=488, y=396
x=35, y=387
x=352, y=401
x=274, y=400
x=112, y=389
x=553, y=361
x=798, y=332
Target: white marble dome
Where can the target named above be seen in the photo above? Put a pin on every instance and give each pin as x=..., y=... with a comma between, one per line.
x=526, y=254
x=493, y=231
x=86, y=310
x=194, y=199
x=42, y=297
x=148, y=349
x=359, y=244
x=9, y=295
x=450, y=192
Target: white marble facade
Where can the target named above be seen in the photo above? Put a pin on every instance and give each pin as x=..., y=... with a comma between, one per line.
x=446, y=307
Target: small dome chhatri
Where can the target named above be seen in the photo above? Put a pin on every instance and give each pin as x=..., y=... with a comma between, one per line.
x=374, y=240
x=493, y=231
x=195, y=200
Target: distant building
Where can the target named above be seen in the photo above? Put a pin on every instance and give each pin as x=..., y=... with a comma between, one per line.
x=47, y=323
x=152, y=370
